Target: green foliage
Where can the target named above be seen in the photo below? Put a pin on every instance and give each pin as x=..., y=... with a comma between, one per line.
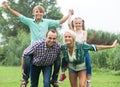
x=13, y=50
x=109, y=59
x=100, y=37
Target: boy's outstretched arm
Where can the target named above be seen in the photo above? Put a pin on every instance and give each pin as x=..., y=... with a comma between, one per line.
x=5, y=4
x=66, y=17
x=100, y=47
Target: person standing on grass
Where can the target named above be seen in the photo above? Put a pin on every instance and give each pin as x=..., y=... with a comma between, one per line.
x=38, y=28
x=77, y=25
x=44, y=52
x=74, y=55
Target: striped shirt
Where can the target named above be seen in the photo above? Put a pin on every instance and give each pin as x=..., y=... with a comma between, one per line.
x=42, y=55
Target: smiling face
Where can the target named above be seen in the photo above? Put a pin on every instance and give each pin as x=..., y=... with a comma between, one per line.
x=38, y=12
x=68, y=37
x=78, y=23
x=51, y=38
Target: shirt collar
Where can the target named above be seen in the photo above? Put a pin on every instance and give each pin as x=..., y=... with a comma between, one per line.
x=40, y=20
x=54, y=46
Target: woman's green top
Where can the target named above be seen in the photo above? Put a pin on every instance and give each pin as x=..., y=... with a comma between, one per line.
x=77, y=60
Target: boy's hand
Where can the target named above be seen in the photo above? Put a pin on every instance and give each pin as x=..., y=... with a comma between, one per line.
x=71, y=12
x=5, y=4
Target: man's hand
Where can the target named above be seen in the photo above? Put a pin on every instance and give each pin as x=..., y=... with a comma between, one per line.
x=23, y=72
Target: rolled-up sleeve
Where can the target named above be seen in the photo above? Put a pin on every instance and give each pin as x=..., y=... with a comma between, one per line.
x=90, y=47
x=29, y=50
x=24, y=19
x=53, y=23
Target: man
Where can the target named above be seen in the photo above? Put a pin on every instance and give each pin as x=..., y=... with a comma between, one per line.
x=45, y=52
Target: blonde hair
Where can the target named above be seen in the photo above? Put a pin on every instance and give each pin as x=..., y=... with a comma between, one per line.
x=40, y=8
x=83, y=22
x=73, y=34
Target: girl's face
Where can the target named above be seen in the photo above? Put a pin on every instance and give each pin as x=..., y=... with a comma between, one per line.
x=38, y=14
x=68, y=38
x=78, y=23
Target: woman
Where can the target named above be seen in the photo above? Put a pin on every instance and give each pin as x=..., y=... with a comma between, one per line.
x=73, y=54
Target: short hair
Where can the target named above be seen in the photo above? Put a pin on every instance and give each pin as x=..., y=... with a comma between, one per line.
x=51, y=30
x=39, y=7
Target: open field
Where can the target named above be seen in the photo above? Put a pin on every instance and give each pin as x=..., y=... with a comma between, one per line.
x=11, y=77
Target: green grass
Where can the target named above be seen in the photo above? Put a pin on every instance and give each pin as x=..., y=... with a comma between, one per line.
x=11, y=77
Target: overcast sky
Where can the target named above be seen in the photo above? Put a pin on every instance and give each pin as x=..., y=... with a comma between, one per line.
x=98, y=14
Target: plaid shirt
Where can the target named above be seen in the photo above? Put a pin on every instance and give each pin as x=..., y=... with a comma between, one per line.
x=42, y=55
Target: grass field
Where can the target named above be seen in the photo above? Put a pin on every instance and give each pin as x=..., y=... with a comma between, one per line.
x=11, y=77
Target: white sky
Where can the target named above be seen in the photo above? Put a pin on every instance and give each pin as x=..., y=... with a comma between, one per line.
x=98, y=14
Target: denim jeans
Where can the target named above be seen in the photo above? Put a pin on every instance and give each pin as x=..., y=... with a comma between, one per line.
x=27, y=62
x=64, y=63
x=88, y=64
x=56, y=69
x=35, y=72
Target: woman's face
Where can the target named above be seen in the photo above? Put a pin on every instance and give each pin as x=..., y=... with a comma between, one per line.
x=68, y=38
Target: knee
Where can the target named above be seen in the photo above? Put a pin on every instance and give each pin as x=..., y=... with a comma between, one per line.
x=82, y=85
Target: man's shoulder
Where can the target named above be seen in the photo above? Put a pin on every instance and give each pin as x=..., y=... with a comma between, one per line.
x=42, y=41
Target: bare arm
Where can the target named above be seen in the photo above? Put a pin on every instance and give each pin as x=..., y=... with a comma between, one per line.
x=100, y=47
x=70, y=22
x=5, y=4
x=85, y=36
x=66, y=17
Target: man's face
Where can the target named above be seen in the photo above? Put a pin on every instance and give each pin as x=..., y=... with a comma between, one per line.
x=51, y=38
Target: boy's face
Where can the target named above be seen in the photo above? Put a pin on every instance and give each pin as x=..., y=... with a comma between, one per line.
x=38, y=14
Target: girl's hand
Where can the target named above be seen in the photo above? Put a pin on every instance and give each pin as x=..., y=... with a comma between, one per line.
x=79, y=42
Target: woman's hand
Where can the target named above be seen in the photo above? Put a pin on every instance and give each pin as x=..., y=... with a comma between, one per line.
x=114, y=44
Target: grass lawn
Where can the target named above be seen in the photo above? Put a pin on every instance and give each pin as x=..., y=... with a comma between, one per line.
x=11, y=77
